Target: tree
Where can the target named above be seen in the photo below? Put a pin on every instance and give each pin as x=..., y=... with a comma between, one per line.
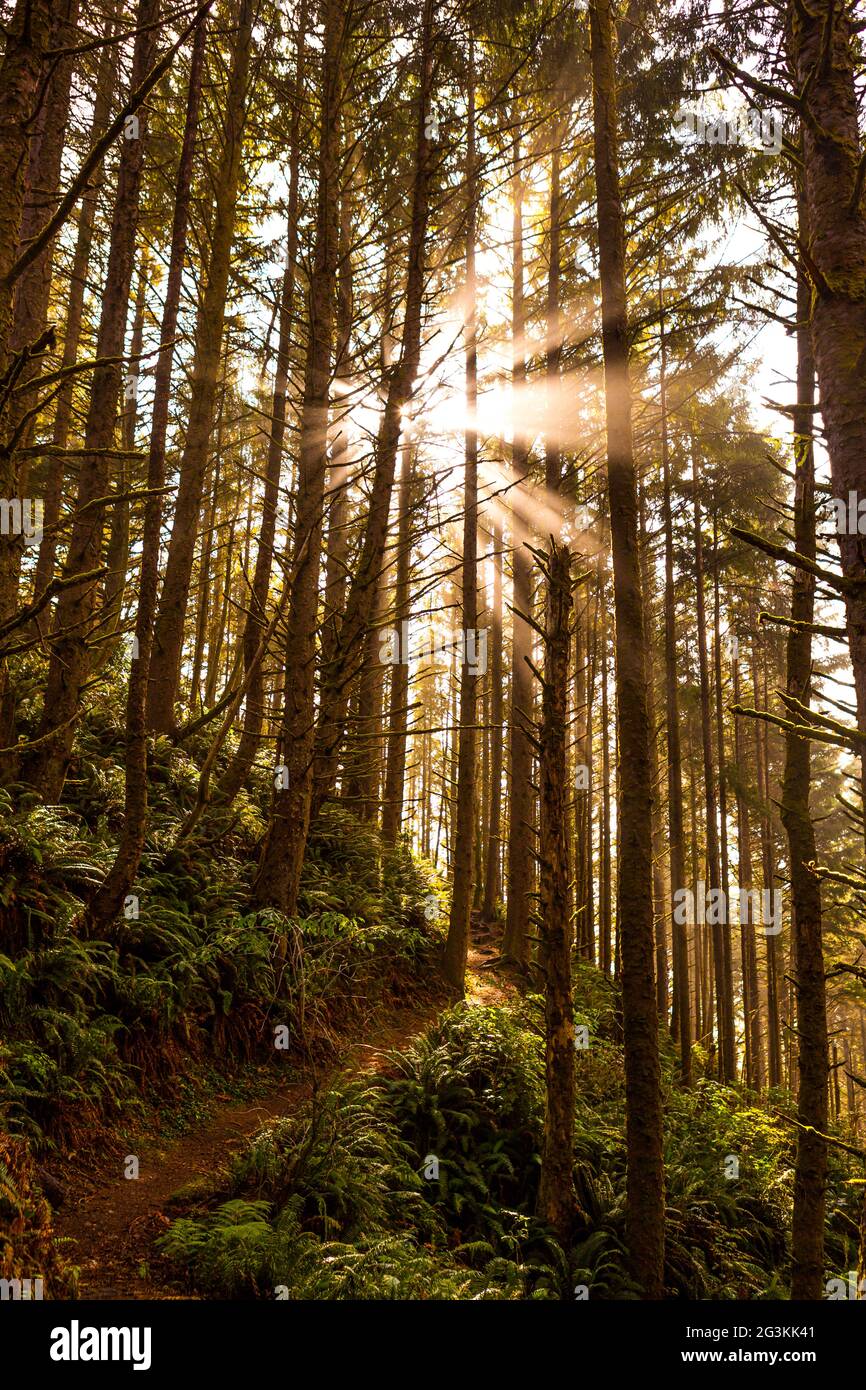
x=645, y=1226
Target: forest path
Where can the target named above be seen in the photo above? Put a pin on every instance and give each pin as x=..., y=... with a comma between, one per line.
x=110, y=1229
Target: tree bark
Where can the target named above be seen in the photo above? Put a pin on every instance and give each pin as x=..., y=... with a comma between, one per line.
x=676, y=839
x=754, y=1049
x=515, y=944
x=398, y=695
x=106, y=78
x=810, y=1172
x=171, y=614
x=822, y=52
x=27, y=40
x=492, y=875
x=339, y=675
x=20, y=71
x=238, y=770
x=719, y=928
x=109, y=898
x=46, y=765
x=457, y=943
x=556, y=1197
x=279, y=876
x=645, y=1170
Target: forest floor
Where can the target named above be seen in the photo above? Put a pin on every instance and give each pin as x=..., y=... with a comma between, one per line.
x=107, y=1229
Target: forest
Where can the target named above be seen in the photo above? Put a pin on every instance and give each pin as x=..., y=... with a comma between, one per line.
x=432, y=650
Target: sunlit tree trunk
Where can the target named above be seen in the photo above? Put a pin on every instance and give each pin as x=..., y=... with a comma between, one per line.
x=515, y=945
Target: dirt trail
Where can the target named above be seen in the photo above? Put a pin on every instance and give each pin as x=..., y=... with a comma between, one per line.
x=111, y=1227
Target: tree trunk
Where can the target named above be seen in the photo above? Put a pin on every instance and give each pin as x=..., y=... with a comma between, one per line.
x=727, y=954
x=398, y=695
x=279, y=876
x=27, y=38
x=20, y=71
x=238, y=770
x=645, y=1170
x=751, y=993
x=33, y=289
x=810, y=1173
x=45, y=767
x=659, y=911
x=106, y=79
x=556, y=1197
x=338, y=677
x=117, y=551
x=822, y=50
x=606, y=887
x=457, y=943
x=774, y=1042
x=679, y=930
x=515, y=944
x=724, y=994
x=492, y=876
x=109, y=898
x=168, y=631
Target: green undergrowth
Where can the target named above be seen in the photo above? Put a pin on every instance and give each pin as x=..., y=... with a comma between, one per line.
x=422, y=1182
x=191, y=988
